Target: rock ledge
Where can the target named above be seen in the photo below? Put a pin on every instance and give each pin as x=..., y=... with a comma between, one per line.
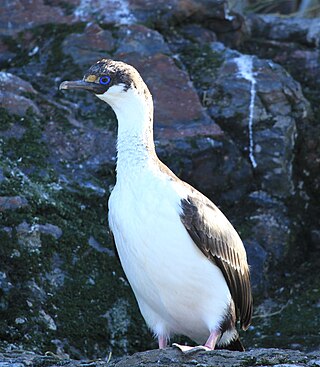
x=172, y=357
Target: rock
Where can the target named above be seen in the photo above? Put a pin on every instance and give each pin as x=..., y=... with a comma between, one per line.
x=90, y=46
x=180, y=120
x=294, y=43
x=215, y=14
x=29, y=238
x=6, y=55
x=5, y=284
x=16, y=104
x=272, y=231
x=12, y=89
x=19, y=15
x=276, y=98
x=259, y=105
x=181, y=124
x=83, y=148
x=175, y=101
x=49, y=229
x=12, y=203
x=315, y=238
x=267, y=233
x=170, y=357
x=12, y=83
x=61, y=287
x=159, y=12
x=96, y=245
x=258, y=260
x=173, y=357
x=198, y=33
x=291, y=42
x=142, y=40
x=286, y=29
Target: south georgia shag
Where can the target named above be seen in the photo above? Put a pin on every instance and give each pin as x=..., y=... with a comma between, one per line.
x=185, y=262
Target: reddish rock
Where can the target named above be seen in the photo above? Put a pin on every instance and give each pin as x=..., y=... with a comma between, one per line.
x=12, y=89
x=12, y=202
x=14, y=84
x=90, y=46
x=17, y=104
x=155, y=11
x=80, y=145
x=176, y=101
x=19, y=15
x=209, y=129
x=182, y=127
x=140, y=39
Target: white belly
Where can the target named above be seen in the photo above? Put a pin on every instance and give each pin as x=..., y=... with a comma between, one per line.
x=179, y=291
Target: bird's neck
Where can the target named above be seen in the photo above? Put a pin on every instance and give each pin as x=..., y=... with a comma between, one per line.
x=135, y=144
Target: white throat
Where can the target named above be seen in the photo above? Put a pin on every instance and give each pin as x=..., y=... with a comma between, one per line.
x=134, y=111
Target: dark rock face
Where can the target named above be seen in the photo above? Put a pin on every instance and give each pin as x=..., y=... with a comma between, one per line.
x=259, y=105
x=294, y=43
x=239, y=128
x=276, y=106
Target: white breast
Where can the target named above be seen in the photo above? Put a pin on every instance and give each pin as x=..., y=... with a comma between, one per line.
x=177, y=288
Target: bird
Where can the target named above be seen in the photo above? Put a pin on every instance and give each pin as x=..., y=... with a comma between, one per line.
x=185, y=262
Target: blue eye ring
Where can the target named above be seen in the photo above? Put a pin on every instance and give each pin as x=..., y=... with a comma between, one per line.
x=104, y=80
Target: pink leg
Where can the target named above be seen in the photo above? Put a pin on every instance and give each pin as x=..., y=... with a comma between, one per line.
x=212, y=340
x=162, y=341
x=210, y=344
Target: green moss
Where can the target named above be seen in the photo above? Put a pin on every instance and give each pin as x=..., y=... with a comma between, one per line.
x=28, y=148
x=202, y=63
x=100, y=114
x=63, y=278
x=48, y=37
x=294, y=320
x=6, y=119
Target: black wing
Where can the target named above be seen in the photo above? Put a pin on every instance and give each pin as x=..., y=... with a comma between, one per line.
x=218, y=240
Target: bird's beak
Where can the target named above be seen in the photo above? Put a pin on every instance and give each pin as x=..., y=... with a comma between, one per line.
x=81, y=84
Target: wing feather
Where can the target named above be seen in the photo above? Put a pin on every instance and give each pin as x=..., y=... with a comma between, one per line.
x=218, y=240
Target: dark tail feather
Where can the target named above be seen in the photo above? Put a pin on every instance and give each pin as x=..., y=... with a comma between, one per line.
x=234, y=345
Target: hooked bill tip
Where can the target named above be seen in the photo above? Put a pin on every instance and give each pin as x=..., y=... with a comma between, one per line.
x=63, y=85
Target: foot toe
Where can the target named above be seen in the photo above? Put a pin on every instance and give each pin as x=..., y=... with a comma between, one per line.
x=186, y=349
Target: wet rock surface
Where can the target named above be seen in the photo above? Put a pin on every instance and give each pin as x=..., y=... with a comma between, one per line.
x=61, y=285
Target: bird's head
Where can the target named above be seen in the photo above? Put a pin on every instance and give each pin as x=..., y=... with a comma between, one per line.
x=110, y=81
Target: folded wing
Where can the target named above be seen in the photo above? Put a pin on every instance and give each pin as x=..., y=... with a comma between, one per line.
x=219, y=242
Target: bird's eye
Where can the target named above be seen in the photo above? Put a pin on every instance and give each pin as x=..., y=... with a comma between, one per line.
x=104, y=80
